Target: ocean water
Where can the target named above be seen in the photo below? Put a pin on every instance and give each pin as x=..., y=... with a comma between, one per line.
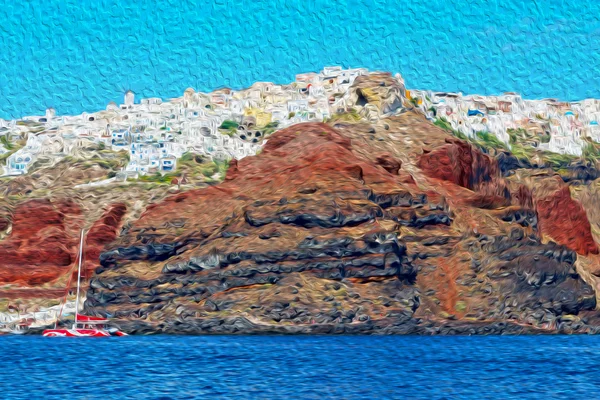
x=77, y=55
x=300, y=367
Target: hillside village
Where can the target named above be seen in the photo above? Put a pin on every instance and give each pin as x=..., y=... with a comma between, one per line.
x=549, y=124
x=223, y=124
x=228, y=124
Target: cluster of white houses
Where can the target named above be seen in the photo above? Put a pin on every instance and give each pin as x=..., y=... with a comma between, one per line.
x=222, y=124
x=563, y=127
x=233, y=123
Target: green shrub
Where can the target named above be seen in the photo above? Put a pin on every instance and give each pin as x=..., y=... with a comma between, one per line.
x=209, y=170
x=7, y=144
x=157, y=177
x=591, y=153
x=187, y=156
x=558, y=161
x=222, y=166
x=348, y=116
x=228, y=124
x=490, y=140
x=522, y=152
x=14, y=149
x=445, y=125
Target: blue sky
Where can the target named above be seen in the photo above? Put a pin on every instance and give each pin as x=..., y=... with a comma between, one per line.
x=77, y=56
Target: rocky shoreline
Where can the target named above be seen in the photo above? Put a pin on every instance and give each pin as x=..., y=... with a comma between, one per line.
x=241, y=326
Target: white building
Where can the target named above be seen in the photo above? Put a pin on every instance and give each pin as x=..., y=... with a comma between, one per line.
x=129, y=100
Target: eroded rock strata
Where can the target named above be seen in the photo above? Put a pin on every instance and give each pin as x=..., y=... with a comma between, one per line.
x=383, y=225
x=333, y=230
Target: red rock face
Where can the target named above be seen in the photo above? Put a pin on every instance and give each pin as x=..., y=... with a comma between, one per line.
x=524, y=197
x=308, y=159
x=43, y=243
x=560, y=217
x=460, y=163
x=564, y=220
x=389, y=163
x=39, y=248
x=102, y=233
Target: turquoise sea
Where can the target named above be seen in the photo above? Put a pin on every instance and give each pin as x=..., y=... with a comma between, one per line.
x=77, y=55
x=300, y=367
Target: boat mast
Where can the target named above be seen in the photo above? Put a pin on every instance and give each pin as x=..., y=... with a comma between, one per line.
x=78, y=276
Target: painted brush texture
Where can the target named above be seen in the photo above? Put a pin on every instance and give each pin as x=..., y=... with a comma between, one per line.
x=378, y=216
x=377, y=221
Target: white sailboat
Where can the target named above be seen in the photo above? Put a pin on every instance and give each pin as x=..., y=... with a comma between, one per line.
x=84, y=326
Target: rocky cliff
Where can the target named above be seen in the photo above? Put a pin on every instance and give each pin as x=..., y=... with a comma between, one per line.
x=393, y=227
x=375, y=222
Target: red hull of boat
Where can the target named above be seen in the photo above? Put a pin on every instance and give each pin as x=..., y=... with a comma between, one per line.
x=79, y=333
